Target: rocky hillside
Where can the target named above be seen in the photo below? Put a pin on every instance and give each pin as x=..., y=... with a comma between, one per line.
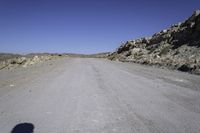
x=10, y=61
x=177, y=47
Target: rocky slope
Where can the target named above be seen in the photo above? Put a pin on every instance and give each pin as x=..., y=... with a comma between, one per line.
x=177, y=47
x=10, y=61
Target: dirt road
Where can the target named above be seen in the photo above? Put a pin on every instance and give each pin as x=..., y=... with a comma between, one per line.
x=80, y=95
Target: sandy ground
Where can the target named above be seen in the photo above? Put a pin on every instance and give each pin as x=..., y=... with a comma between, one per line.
x=80, y=95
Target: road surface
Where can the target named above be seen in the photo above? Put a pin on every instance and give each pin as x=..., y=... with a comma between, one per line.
x=80, y=95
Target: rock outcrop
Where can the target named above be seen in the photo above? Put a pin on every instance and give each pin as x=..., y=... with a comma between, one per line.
x=177, y=47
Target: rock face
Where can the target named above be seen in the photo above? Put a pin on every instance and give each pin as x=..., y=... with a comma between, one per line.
x=177, y=47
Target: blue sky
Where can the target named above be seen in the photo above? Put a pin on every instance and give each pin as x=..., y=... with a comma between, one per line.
x=84, y=26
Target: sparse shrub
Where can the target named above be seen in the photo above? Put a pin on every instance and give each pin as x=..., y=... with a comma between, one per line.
x=164, y=51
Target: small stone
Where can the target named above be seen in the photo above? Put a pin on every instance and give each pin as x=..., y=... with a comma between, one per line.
x=196, y=13
x=164, y=31
x=11, y=85
x=192, y=24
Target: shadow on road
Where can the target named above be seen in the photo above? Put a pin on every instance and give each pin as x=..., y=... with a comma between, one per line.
x=23, y=128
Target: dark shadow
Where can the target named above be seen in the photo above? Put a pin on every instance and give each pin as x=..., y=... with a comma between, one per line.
x=23, y=128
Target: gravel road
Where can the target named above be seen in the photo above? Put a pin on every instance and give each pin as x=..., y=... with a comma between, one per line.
x=83, y=95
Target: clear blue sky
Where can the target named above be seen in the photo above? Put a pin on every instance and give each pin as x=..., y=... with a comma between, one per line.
x=84, y=26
